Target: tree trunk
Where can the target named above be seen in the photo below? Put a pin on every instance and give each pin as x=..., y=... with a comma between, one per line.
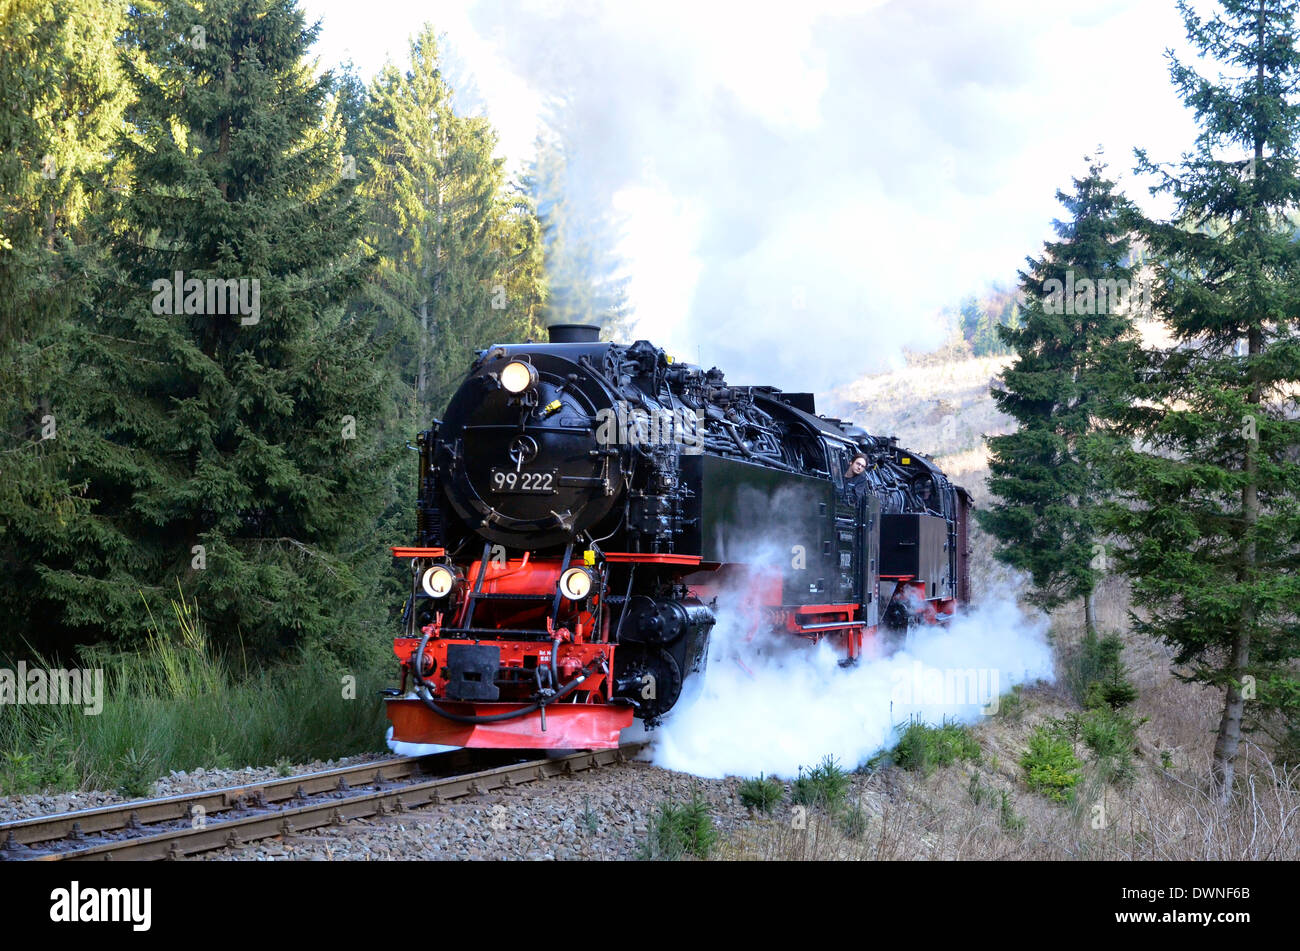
x=1229, y=738
x=422, y=375
x=1225, y=747
x=1090, y=613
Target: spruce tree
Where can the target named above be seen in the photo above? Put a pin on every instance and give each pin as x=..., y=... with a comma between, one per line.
x=1209, y=510
x=63, y=100
x=459, y=252
x=228, y=406
x=1072, y=339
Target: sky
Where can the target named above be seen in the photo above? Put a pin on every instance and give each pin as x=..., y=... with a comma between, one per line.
x=801, y=188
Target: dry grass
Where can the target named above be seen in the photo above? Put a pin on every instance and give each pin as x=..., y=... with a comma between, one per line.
x=939, y=403
x=1165, y=814
x=938, y=408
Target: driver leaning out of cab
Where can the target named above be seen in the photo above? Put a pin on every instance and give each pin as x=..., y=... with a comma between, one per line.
x=855, y=477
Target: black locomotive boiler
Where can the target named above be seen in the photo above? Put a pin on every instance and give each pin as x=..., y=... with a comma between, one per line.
x=582, y=505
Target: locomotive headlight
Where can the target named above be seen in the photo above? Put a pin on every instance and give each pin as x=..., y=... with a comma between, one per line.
x=575, y=584
x=517, y=376
x=437, y=581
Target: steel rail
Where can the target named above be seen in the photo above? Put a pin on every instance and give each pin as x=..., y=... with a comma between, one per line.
x=238, y=816
x=132, y=815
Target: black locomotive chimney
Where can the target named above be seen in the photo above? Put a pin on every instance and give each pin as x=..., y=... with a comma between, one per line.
x=574, y=333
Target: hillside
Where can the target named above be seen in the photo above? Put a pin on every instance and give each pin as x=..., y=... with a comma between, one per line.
x=939, y=405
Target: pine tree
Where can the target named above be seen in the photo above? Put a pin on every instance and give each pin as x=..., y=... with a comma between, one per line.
x=1072, y=339
x=63, y=100
x=1210, y=515
x=227, y=408
x=459, y=252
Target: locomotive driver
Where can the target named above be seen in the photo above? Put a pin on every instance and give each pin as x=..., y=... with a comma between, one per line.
x=855, y=479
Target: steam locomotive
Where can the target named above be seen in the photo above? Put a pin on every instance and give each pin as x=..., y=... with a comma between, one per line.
x=584, y=504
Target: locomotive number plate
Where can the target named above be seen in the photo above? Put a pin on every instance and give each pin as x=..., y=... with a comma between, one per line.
x=532, y=483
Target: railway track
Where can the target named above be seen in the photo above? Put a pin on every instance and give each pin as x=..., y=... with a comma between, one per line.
x=178, y=826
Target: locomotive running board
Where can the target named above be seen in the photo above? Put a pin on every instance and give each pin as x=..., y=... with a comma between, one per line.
x=569, y=726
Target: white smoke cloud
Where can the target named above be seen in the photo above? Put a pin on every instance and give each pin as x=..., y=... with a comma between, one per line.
x=776, y=703
x=805, y=187
x=400, y=748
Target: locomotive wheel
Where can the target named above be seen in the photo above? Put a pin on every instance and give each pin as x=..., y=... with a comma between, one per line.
x=660, y=677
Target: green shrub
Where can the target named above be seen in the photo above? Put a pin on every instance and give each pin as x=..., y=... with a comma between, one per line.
x=923, y=748
x=1082, y=666
x=1112, y=735
x=679, y=830
x=1107, y=734
x=1096, y=674
x=55, y=759
x=48, y=764
x=761, y=794
x=18, y=774
x=1050, y=765
x=136, y=774
x=825, y=785
x=1112, y=692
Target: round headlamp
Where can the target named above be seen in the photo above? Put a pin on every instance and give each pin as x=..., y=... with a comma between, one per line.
x=517, y=376
x=437, y=581
x=575, y=584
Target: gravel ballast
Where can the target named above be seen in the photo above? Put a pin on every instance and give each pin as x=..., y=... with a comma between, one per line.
x=592, y=815
x=598, y=814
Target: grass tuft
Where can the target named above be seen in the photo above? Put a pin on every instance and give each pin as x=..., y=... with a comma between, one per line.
x=853, y=822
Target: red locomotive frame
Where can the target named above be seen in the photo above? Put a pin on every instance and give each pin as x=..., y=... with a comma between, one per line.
x=582, y=640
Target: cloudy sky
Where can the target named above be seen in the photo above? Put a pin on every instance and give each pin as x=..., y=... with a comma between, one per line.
x=801, y=187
